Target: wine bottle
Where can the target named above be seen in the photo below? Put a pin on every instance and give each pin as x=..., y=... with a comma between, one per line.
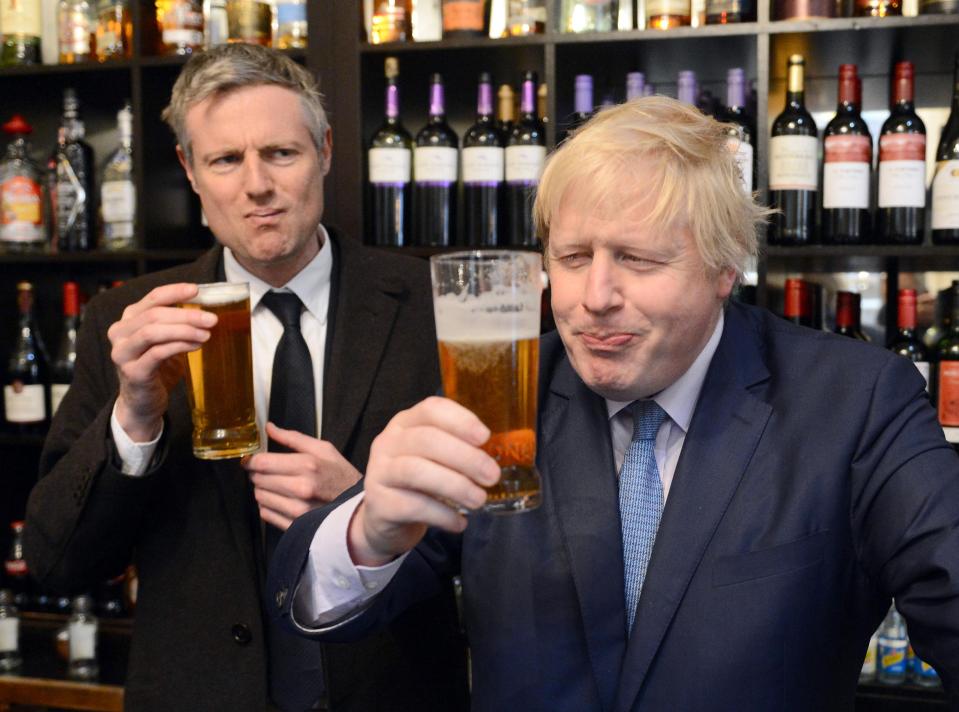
x=906, y=341
x=464, y=18
x=505, y=110
x=945, y=184
x=741, y=134
x=687, y=87
x=20, y=22
x=61, y=372
x=847, y=162
x=118, y=199
x=23, y=218
x=797, y=304
x=847, y=316
x=390, y=166
x=947, y=379
x=793, y=169
x=25, y=382
x=75, y=195
x=434, y=174
x=900, y=214
x=582, y=102
x=635, y=82
x=525, y=156
x=483, y=171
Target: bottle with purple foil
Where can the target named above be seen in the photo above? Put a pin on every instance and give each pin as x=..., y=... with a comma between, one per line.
x=582, y=102
x=525, y=156
x=688, y=87
x=435, y=167
x=484, y=167
x=635, y=82
x=742, y=135
x=390, y=168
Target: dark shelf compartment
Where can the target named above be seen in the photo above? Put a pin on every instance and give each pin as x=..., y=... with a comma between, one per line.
x=874, y=258
x=875, y=697
x=858, y=23
x=80, y=67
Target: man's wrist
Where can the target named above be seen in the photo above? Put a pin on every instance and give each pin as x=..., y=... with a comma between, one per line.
x=139, y=430
x=358, y=545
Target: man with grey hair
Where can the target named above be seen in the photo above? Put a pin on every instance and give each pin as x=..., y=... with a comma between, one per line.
x=119, y=482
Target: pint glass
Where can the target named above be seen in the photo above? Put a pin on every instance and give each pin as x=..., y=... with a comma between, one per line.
x=220, y=377
x=487, y=306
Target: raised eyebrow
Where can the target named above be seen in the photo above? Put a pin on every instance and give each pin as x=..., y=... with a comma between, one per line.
x=291, y=146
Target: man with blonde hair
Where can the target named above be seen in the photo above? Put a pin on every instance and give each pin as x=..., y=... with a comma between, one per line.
x=730, y=502
x=338, y=348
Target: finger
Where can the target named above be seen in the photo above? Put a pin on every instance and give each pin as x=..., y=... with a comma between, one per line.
x=447, y=415
x=298, y=486
x=277, y=519
x=138, y=344
x=409, y=506
x=148, y=365
x=126, y=328
x=293, y=439
x=278, y=504
x=435, y=480
x=450, y=451
x=165, y=295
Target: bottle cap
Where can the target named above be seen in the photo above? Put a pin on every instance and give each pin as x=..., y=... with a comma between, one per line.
x=17, y=125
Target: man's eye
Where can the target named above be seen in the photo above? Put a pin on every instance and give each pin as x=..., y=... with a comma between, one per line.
x=574, y=259
x=224, y=160
x=283, y=153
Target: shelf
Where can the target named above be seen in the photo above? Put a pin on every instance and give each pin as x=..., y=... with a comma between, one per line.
x=102, y=257
x=414, y=251
x=61, y=694
x=871, y=258
x=456, y=43
x=52, y=69
x=859, y=23
x=731, y=30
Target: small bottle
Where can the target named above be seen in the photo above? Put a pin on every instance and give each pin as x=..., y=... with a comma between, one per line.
x=82, y=626
x=725, y=12
x=687, y=87
x=797, y=306
x=25, y=380
x=635, y=82
x=118, y=199
x=22, y=218
x=16, y=573
x=10, y=659
x=893, y=644
x=181, y=26
x=76, y=24
x=847, y=316
x=291, y=25
x=114, y=30
x=924, y=674
x=250, y=21
x=61, y=373
x=464, y=18
x=505, y=109
x=75, y=196
x=668, y=14
x=21, y=24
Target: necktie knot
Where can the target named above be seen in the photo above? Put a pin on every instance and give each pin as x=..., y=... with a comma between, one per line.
x=647, y=417
x=286, y=306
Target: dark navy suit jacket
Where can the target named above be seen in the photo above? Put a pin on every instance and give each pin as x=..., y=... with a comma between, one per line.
x=814, y=484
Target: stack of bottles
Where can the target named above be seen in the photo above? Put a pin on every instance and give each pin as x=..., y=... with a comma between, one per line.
x=60, y=207
x=890, y=659
x=845, y=205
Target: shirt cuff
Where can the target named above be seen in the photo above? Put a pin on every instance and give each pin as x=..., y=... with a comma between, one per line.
x=332, y=587
x=134, y=457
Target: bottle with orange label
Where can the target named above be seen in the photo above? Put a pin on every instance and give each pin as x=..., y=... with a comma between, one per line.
x=22, y=225
x=947, y=378
x=464, y=18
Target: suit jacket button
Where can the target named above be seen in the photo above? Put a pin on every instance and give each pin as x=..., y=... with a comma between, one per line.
x=242, y=634
x=280, y=597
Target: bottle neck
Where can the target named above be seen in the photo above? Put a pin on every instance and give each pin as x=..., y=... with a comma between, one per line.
x=906, y=315
x=847, y=316
x=528, y=100
x=583, y=101
x=392, y=101
x=484, y=101
x=437, y=103
x=735, y=94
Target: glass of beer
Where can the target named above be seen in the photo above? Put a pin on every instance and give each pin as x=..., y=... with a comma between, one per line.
x=487, y=308
x=220, y=375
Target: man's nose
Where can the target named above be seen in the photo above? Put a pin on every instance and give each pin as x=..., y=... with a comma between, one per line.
x=602, y=291
x=258, y=180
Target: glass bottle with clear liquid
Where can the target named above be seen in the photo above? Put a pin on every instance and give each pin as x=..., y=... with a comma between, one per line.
x=82, y=627
x=117, y=191
x=10, y=658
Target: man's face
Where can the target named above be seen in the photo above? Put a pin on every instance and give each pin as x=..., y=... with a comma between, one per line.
x=634, y=306
x=259, y=177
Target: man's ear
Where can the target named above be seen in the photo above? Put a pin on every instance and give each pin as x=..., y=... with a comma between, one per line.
x=326, y=153
x=181, y=156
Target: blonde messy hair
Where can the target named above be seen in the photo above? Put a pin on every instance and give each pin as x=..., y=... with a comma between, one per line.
x=665, y=154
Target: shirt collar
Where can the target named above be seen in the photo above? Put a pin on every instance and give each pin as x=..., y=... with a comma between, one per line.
x=311, y=284
x=679, y=398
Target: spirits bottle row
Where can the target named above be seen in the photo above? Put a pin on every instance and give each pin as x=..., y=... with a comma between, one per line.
x=432, y=20
x=890, y=659
x=69, y=31
x=843, y=188
x=60, y=207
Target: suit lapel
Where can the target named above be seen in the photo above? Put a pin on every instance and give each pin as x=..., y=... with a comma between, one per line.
x=725, y=430
x=581, y=483
x=363, y=310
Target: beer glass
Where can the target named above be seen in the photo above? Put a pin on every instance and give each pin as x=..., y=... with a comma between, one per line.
x=220, y=375
x=487, y=307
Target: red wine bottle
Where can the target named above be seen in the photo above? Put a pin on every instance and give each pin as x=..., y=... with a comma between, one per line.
x=847, y=163
x=61, y=372
x=525, y=156
x=906, y=341
x=435, y=166
x=947, y=378
x=797, y=305
x=945, y=186
x=483, y=171
x=793, y=165
x=900, y=215
x=390, y=166
x=582, y=102
x=742, y=135
x=847, y=316
x=25, y=383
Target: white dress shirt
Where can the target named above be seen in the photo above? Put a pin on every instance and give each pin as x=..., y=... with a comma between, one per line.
x=332, y=587
x=312, y=286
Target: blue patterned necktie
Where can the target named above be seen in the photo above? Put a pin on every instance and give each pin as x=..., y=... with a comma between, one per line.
x=640, y=500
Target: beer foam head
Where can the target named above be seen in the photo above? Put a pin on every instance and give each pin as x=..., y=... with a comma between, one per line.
x=487, y=317
x=221, y=293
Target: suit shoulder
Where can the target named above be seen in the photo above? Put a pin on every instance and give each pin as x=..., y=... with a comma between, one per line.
x=394, y=271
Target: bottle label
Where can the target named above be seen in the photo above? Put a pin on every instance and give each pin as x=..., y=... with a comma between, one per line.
x=289, y=12
x=182, y=38
x=869, y=664
x=483, y=164
x=75, y=33
x=902, y=171
x=743, y=153
x=945, y=196
x=845, y=182
x=925, y=670
x=23, y=403
x=57, y=391
x=463, y=15
x=20, y=17
x=9, y=634
x=22, y=219
x=793, y=163
x=923, y=367
x=676, y=8
x=15, y=568
x=83, y=640
x=524, y=164
x=118, y=200
x=390, y=165
x=949, y=393
x=892, y=656
x=434, y=164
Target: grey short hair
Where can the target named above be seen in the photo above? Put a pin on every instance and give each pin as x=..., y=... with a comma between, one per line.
x=234, y=66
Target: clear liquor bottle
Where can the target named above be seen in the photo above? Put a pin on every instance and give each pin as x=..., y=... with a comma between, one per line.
x=75, y=197
x=114, y=31
x=10, y=658
x=76, y=29
x=82, y=627
x=117, y=191
x=22, y=217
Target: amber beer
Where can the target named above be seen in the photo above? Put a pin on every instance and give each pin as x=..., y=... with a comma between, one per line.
x=220, y=376
x=487, y=306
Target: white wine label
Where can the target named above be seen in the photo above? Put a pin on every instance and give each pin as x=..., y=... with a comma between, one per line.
x=483, y=164
x=743, y=153
x=9, y=634
x=846, y=166
x=24, y=403
x=434, y=164
x=945, y=196
x=19, y=17
x=390, y=165
x=902, y=184
x=57, y=391
x=793, y=163
x=83, y=641
x=923, y=367
x=118, y=199
x=524, y=164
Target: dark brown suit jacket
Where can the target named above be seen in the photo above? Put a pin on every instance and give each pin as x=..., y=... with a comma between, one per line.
x=191, y=526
